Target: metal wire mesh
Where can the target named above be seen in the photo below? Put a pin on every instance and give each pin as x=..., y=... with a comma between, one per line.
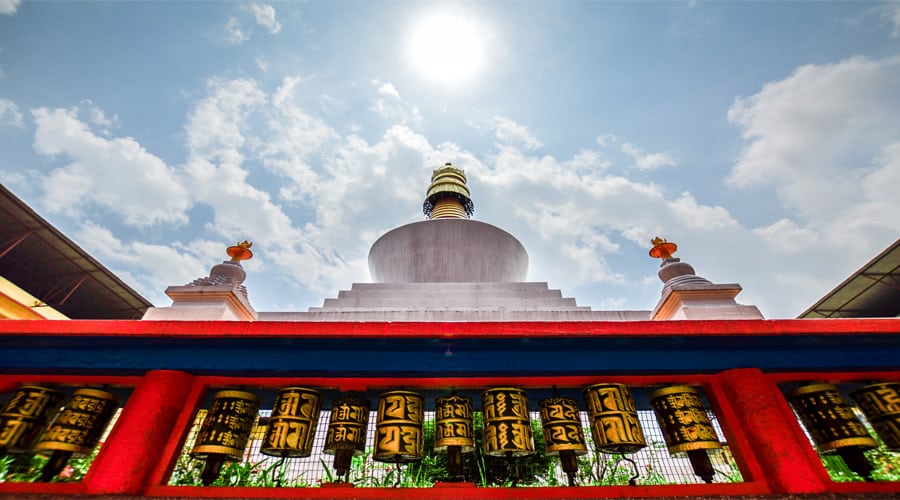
x=652, y=465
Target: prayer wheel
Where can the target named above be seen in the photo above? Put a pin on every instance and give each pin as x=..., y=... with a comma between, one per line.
x=454, y=432
x=347, y=431
x=225, y=431
x=880, y=403
x=562, y=426
x=685, y=426
x=81, y=424
x=25, y=416
x=453, y=423
x=828, y=418
x=833, y=426
x=292, y=426
x=615, y=427
x=398, y=427
x=507, y=423
x=77, y=429
x=563, y=434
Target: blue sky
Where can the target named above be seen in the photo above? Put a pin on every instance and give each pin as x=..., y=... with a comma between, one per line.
x=762, y=137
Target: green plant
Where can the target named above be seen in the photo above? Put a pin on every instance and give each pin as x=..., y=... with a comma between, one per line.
x=5, y=463
x=262, y=474
x=885, y=464
x=24, y=468
x=186, y=472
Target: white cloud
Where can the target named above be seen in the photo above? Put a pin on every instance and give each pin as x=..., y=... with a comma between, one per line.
x=9, y=114
x=294, y=136
x=647, y=161
x=510, y=132
x=286, y=89
x=786, y=236
x=691, y=214
x=583, y=217
x=149, y=266
x=635, y=156
x=388, y=104
x=234, y=34
x=890, y=12
x=265, y=16
x=214, y=128
x=9, y=7
x=219, y=139
x=116, y=174
x=388, y=89
x=813, y=134
x=825, y=138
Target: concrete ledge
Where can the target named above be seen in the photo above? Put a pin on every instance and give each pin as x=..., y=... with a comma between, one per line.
x=706, y=301
x=212, y=302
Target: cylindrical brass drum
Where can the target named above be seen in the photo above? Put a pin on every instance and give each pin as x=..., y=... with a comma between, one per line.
x=26, y=415
x=292, y=426
x=453, y=424
x=829, y=419
x=398, y=428
x=880, y=403
x=227, y=426
x=615, y=427
x=683, y=420
x=507, y=424
x=562, y=426
x=81, y=424
x=347, y=426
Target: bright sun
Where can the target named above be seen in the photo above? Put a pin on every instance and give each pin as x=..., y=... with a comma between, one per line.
x=447, y=48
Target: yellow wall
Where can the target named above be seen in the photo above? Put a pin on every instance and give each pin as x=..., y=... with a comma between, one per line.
x=16, y=303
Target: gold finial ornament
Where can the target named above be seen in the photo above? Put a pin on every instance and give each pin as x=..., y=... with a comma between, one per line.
x=448, y=195
x=662, y=249
x=240, y=252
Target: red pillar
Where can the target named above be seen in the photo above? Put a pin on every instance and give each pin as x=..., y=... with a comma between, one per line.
x=787, y=459
x=135, y=446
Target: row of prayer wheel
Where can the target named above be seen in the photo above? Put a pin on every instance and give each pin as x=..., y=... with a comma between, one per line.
x=834, y=427
x=32, y=421
x=507, y=431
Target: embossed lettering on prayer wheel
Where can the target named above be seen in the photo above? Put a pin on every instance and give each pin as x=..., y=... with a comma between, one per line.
x=683, y=419
x=226, y=429
x=880, y=403
x=26, y=415
x=507, y=423
x=829, y=419
x=292, y=426
x=81, y=424
x=398, y=428
x=615, y=427
x=453, y=423
x=347, y=426
x=562, y=426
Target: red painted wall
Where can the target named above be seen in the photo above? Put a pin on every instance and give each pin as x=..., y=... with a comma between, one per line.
x=768, y=443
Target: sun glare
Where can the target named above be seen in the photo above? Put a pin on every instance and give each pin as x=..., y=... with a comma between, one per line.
x=447, y=48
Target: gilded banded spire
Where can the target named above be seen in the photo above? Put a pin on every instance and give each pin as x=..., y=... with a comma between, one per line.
x=448, y=196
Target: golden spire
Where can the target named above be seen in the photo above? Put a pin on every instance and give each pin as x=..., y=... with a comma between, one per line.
x=662, y=249
x=448, y=196
x=240, y=252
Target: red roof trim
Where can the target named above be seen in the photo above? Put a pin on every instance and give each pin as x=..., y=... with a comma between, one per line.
x=262, y=329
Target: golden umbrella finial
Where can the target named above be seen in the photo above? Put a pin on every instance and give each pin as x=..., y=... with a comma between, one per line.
x=240, y=252
x=448, y=195
x=662, y=249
